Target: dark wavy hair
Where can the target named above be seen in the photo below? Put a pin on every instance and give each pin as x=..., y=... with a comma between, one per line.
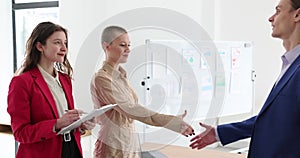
x=32, y=55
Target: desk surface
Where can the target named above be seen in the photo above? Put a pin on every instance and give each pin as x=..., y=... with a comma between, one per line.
x=172, y=151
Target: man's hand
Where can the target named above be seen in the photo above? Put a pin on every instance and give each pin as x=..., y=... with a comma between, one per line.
x=205, y=138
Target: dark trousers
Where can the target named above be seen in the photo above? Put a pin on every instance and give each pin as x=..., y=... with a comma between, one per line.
x=70, y=148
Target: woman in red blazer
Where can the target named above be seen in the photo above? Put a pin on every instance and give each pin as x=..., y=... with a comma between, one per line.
x=40, y=93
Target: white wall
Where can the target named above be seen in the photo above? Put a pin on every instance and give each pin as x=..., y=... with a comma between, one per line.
x=248, y=20
x=6, y=60
x=226, y=20
x=222, y=19
x=81, y=18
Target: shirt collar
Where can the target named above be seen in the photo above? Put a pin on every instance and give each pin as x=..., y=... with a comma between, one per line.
x=49, y=77
x=115, y=71
x=290, y=56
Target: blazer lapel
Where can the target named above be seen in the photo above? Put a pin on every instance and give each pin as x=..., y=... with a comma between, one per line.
x=281, y=83
x=67, y=87
x=41, y=83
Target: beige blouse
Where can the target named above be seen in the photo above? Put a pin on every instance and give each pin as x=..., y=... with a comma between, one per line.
x=117, y=137
x=56, y=90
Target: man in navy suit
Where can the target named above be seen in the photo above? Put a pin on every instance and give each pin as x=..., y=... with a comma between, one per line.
x=275, y=130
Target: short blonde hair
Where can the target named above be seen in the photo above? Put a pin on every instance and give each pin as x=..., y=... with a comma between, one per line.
x=110, y=33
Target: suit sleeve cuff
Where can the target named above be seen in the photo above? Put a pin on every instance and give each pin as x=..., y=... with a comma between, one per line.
x=217, y=134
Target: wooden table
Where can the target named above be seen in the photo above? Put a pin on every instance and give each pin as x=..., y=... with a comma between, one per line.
x=172, y=151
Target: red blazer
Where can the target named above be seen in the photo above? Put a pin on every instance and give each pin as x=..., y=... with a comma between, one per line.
x=33, y=115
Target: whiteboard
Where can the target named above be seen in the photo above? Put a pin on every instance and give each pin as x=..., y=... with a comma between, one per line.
x=209, y=79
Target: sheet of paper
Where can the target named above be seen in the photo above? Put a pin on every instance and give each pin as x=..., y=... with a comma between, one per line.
x=89, y=116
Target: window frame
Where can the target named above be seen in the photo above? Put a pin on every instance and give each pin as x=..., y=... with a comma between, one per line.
x=20, y=6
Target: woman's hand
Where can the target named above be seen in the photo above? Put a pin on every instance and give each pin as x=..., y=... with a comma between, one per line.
x=66, y=119
x=88, y=125
x=182, y=115
x=186, y=129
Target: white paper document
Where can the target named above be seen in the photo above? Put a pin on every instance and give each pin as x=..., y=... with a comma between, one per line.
x=89, y=116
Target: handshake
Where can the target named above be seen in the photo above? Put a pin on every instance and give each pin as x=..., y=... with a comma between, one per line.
x=203, y=139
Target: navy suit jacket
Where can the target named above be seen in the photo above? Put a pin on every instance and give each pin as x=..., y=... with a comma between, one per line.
x=275, y=130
